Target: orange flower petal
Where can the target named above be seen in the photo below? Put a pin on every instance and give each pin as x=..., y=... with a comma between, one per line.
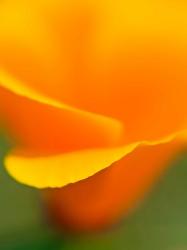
x=120, y=64
x=102, y=198
x=27, y=49
x=122, y=59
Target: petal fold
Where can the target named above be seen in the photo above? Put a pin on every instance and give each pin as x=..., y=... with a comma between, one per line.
x=47, y=125
x=60, y=170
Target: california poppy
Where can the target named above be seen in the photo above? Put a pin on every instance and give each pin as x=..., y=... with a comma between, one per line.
x=90, y=86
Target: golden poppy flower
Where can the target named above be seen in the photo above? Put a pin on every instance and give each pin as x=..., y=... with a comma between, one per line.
x=91, y=84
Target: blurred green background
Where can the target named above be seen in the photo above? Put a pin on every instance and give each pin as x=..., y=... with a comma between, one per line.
x=159, y=223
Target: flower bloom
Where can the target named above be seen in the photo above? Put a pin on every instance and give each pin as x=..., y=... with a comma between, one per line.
x=91, y=85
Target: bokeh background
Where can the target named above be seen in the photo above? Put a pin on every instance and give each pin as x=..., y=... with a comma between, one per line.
x=159, y=222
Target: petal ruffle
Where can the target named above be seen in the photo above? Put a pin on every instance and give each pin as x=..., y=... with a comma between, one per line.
x=60, y=170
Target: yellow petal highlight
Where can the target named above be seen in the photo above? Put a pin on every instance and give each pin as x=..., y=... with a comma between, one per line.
x=60, y=170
